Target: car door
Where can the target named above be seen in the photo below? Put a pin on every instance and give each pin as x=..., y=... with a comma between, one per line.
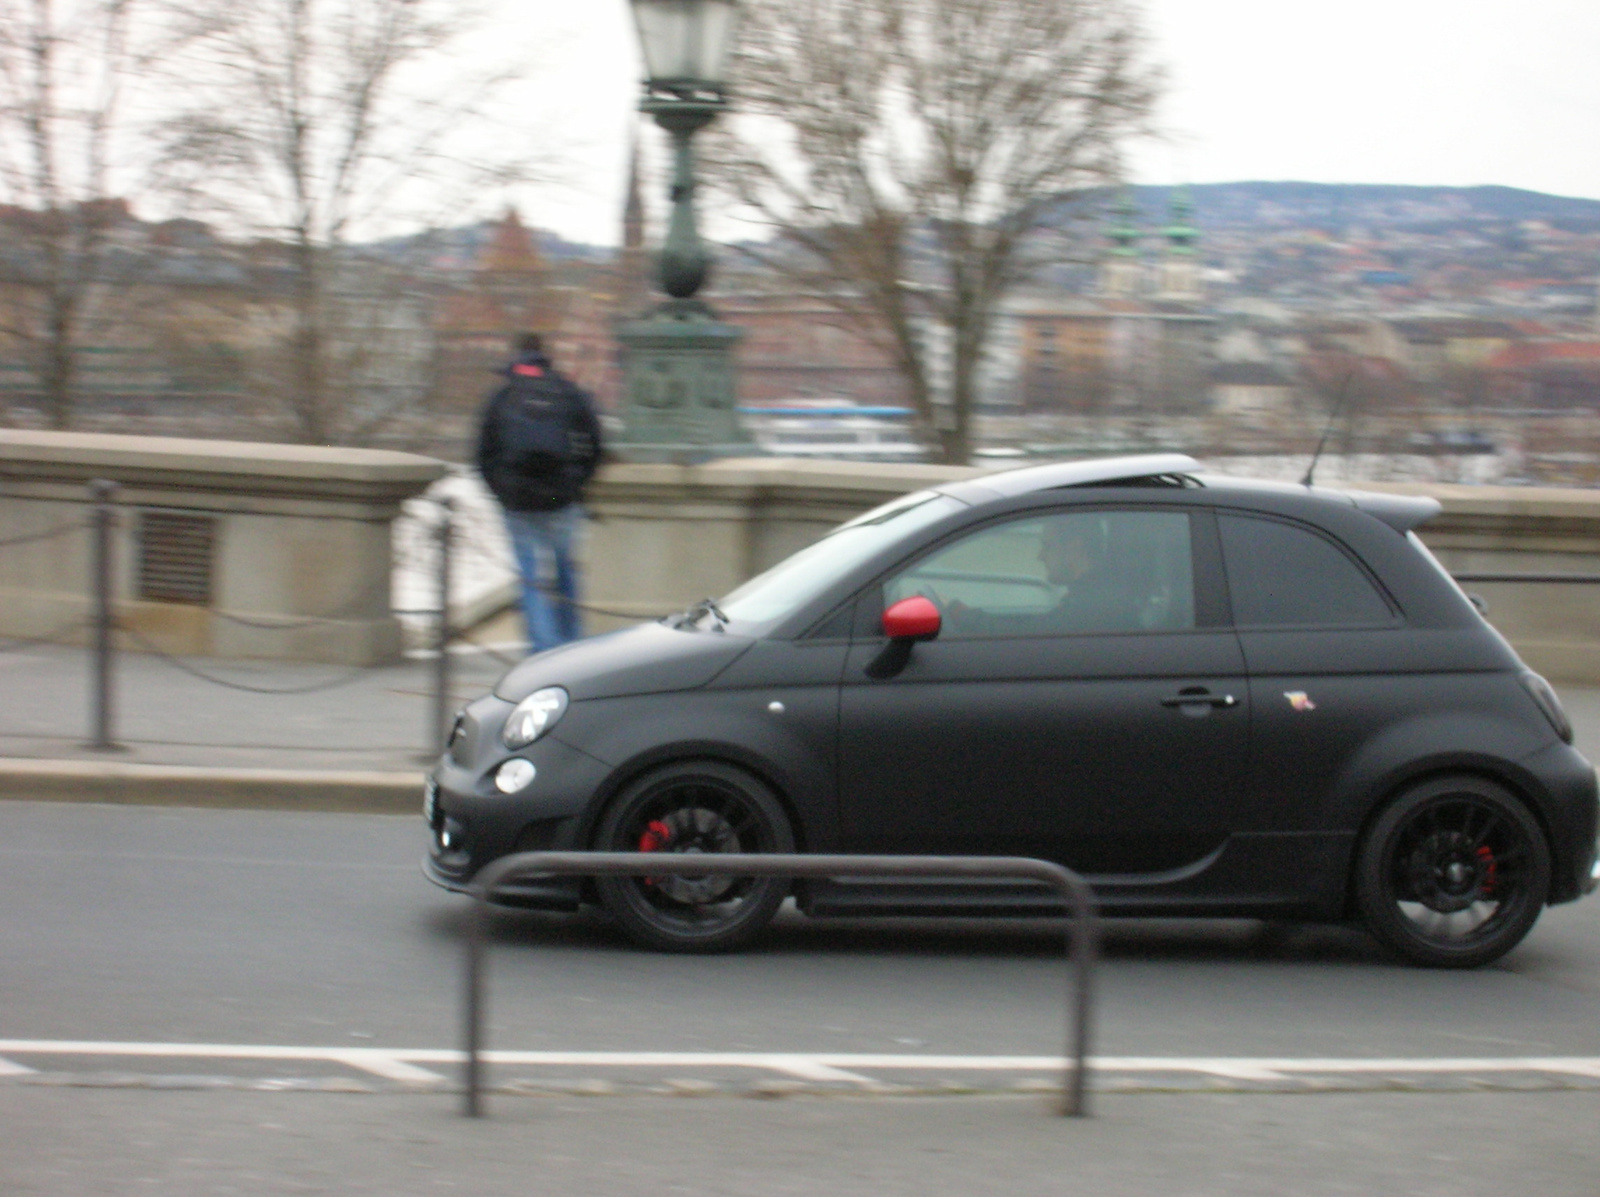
x=1103, y=725
x=1326, y=649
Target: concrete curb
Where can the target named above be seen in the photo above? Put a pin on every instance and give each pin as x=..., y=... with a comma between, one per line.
x=187, y=785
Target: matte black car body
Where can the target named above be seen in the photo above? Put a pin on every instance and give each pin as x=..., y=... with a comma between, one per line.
x=1243, y=801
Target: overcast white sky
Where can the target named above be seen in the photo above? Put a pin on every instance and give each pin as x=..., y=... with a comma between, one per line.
x=1456, y=92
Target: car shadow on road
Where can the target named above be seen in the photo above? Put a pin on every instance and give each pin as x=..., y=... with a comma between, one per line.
x=1223, y=941
x=1228, y=941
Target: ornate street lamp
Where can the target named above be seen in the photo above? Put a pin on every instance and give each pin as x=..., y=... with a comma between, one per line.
x=686, y=44
x=678, y=361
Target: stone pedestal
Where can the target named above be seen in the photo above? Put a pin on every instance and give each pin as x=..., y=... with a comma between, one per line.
x=679, y=393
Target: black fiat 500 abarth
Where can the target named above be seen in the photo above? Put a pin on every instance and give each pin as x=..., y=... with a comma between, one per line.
x=1211, y=696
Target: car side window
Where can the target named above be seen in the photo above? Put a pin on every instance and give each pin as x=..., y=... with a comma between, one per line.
x=1058, y=574
x=1281, y=574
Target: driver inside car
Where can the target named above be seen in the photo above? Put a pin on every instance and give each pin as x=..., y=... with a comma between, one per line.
x=1091, y=593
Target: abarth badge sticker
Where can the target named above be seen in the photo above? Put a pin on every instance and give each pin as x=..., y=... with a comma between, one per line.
x=1299, y=700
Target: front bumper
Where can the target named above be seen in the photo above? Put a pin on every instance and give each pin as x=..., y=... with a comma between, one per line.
x=532, y=893
x=471, y=823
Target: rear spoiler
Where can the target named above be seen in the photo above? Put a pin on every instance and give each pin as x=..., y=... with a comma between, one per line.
x=1400, y=512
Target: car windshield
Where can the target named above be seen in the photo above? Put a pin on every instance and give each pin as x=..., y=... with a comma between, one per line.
x=795, y=581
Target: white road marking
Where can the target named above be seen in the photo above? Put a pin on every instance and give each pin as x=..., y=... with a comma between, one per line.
x=1241, y=1070
x=406, y=1064
x=811, y=1069
x=386, y=1065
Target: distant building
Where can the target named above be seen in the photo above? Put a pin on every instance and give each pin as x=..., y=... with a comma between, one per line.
x=1178, y=279
x=801, y=347
x=1552, y=376
x=1122, y=272
x=505, y=292
x=1428, y=348
x=1064, y=347
x=633, y=292
x=1249, y=390
x=1140, y=344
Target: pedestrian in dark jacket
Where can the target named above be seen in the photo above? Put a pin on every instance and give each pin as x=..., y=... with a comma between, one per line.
x=538, y=445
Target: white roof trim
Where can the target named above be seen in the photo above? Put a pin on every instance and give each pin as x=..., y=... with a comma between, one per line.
x=1101, y=471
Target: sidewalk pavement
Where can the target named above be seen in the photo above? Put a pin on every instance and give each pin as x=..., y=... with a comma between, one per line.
x=99, y=1143
x=361, y=744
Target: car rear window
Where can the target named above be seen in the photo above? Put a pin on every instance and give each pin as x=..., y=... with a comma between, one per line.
x=1281, y=574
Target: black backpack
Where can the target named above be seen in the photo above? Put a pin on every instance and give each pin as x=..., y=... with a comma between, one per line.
x=537, y=463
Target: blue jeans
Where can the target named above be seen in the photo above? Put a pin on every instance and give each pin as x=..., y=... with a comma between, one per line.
x=542, y=542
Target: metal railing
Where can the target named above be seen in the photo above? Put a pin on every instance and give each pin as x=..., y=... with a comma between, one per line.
x=1083, y=928
x=104, y=624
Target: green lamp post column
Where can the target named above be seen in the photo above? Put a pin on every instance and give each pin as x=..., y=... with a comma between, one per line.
x=678, y=368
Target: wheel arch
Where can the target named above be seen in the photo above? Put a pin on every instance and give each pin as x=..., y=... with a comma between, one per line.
x=673, y=754
x=1500, y=773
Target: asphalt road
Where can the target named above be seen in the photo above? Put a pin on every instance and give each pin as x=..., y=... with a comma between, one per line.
x=141, y=924
x=172, y=926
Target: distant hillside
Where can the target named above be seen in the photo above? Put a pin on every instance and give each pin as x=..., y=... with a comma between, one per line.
x=463, y=242
x=1250, y=207
x=1341, y=205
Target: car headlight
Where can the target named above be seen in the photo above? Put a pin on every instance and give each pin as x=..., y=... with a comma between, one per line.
x=533, y=716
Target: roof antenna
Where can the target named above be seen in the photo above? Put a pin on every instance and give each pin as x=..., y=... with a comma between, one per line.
x=1333, y=417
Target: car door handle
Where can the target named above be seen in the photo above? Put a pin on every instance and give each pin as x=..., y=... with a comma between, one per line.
x=1199, y=698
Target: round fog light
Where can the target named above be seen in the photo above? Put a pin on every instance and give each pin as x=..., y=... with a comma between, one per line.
x=514, y=775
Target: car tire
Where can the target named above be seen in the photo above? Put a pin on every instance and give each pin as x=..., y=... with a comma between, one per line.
x=694, y=806
x=1453, y=873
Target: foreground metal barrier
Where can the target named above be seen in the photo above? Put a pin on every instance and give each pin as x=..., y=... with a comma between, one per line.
x=1083, y=928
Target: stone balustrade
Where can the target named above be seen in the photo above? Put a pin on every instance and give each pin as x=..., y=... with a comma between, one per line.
x=292, y=544
x=220, y=548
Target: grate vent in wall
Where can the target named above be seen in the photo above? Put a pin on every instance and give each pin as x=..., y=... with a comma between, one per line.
x=175, y=557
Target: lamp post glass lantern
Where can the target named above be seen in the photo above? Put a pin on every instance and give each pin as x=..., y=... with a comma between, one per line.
x=678, y=361
x=686, y=42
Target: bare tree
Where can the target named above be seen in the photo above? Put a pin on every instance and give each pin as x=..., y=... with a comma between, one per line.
x=65, y=66
x=909, y=153
x=315, y=119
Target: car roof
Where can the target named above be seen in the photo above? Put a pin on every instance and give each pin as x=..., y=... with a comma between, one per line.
x=1098, y=471
x=1401, y=512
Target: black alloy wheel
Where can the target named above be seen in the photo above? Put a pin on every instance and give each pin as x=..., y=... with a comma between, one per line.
x=1454, y=873
x=694, y=806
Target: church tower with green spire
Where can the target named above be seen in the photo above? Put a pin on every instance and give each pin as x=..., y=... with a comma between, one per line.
x=1121, y=272
x=1178, y=277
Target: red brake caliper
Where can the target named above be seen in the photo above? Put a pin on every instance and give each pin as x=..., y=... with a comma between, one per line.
x=1487, y=857
x=655, y=837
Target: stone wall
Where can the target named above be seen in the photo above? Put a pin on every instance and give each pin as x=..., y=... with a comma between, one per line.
x=300, y=560
x=664, y=536
x=290, y=543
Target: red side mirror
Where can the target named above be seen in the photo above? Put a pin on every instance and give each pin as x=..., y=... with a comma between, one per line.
x=914, y=618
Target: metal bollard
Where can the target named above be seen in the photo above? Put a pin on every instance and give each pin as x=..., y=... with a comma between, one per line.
x=1083, y=928
x=101, y=492
x=439, y=717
